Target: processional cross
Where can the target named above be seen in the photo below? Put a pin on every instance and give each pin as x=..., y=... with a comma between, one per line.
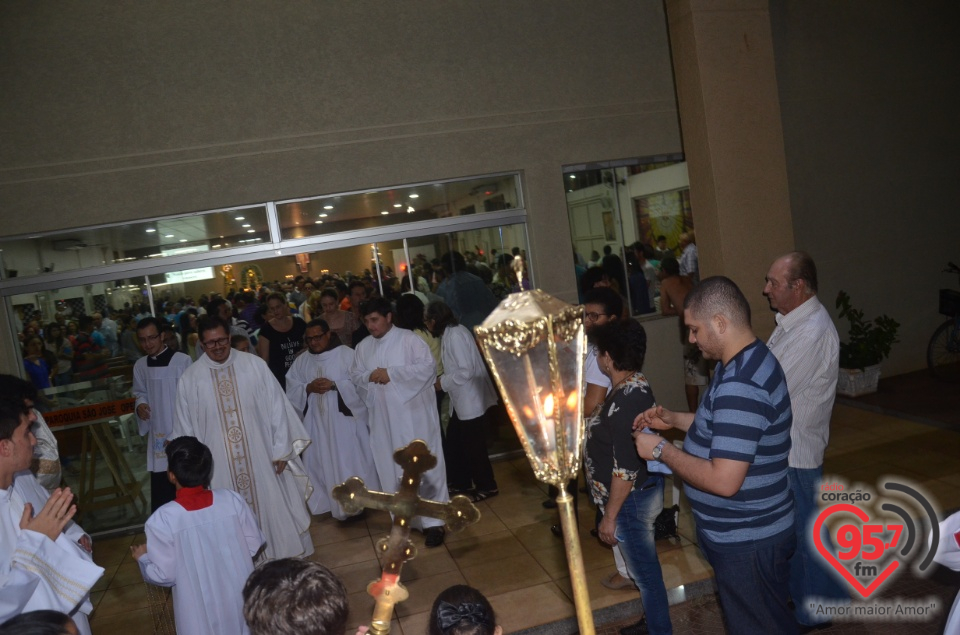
x=397, y=548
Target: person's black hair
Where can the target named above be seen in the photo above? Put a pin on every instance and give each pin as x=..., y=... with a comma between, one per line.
x=462, y=610
x=190, y=461
x=156, y=322
x=12, y=409
x=718, y=295
x=329, y=292
x=43, y=622
x=84, y=322
x=213, y=306
x=453, y=262
x=624, y=340
x=211, y=322
x=318, y=322
x=442, y=316
x=610, y=300
x=591, y=277
x=670, y=266
x=13, y=386
x=376, y=305
x=409, y=313
x=236, y=339
x=357, y=283
x=295, y=597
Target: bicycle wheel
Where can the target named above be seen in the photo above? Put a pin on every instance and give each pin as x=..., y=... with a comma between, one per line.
x=943, y=352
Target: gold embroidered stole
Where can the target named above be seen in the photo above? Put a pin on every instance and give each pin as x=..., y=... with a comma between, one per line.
x=234, y=434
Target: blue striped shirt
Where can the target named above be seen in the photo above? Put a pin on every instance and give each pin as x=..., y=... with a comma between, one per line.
x=745, y=416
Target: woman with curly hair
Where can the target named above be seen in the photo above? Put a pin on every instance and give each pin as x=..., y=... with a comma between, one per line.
x=627, y=494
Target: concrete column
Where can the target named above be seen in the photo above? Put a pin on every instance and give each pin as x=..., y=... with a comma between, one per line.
x=733, y=140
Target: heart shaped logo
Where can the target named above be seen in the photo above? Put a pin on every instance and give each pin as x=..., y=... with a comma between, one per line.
x=865, y=591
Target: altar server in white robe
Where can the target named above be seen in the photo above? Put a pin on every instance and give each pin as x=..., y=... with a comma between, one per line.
x=202, y=544
x=40, y=566
x=394, y=374
x=233, y=404
x=155, y=378
x=336, y=418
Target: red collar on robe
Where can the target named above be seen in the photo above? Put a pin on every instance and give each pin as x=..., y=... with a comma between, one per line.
x=194, y=498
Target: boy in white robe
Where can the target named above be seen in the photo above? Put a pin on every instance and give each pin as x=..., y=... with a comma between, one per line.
x=336, y=418
x=394, y=374
x=202, y=544
x=232, y=403
x=40, y=567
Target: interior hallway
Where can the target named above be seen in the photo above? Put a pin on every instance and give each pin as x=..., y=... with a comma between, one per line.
x=512, y=557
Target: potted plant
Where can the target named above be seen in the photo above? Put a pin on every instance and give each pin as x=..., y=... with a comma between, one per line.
x=868, y=344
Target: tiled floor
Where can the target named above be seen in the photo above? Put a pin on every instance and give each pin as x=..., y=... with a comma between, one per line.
x=512, y=557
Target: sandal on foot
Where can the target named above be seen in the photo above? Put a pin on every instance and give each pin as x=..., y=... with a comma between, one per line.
x=484, y=495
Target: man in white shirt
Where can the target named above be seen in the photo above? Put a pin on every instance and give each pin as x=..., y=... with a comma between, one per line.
x=806, y=344
x=394, y=374
x=40, y=567
x=231, y=402
x=155, y=378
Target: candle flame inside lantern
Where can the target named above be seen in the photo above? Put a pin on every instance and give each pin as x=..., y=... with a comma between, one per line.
x=548, y=406
x=572, y=401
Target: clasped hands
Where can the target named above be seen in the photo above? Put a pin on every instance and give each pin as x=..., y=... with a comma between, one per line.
x=380, y=376
x=320, y=386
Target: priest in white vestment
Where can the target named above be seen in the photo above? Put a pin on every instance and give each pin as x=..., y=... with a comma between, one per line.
x=336, y=418
x=155, y=378
x=233, y=404
x=394, y=374
x=40, y=566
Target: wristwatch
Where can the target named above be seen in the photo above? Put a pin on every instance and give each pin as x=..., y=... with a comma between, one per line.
x=658, y=450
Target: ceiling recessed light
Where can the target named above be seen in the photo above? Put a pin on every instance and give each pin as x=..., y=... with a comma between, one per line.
x=240, y=218
x=318, y=222
x=384, y=212
x=217, y=246
x=246, y=225
x=328, y=207
x=151, y=230
x=414, y=196
x=573, y=176
x=323, y=215
x=398, y=204
x=251, y=231
x=168, y=235
x=183, y=240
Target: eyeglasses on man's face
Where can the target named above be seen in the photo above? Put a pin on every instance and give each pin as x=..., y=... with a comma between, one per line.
x=223, y=341
x=593, y=316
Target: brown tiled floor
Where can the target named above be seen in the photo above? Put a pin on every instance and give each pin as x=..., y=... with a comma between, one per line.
x=512, y=557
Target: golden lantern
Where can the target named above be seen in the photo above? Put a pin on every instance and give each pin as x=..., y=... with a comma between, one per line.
x=535, y=346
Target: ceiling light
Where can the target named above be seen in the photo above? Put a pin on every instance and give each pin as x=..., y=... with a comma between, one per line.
x=251, y=231
x=323, y=215
x=384, y=212
x=573, y=176
x=414, y=196
x=151, y=230
x=328, y=207
x=319, y=222
x=246, y=225
x=168, y=235
x=398, y=204
x=240, y=218
x=216, y=246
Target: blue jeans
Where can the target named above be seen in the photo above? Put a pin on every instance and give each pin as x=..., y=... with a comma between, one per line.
x=809, y=574
x=753, y=584
x=635, y=534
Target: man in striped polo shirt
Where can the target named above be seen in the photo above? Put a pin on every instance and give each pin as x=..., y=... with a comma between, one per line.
x=806, y=344
x=734, y=461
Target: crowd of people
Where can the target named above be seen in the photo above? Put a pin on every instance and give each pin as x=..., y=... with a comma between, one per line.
x=251, y=445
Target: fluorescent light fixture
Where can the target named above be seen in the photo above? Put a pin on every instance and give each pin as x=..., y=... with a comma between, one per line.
x=246, y=225
x=398, y=204
x=240, y=218
x=414, y=196
x=168, y=235
x=328, y=207
x=319, y=222
x=384, y=212
x=183, y=240
x=251, y=231
x=150, y=230
x=323, y=215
